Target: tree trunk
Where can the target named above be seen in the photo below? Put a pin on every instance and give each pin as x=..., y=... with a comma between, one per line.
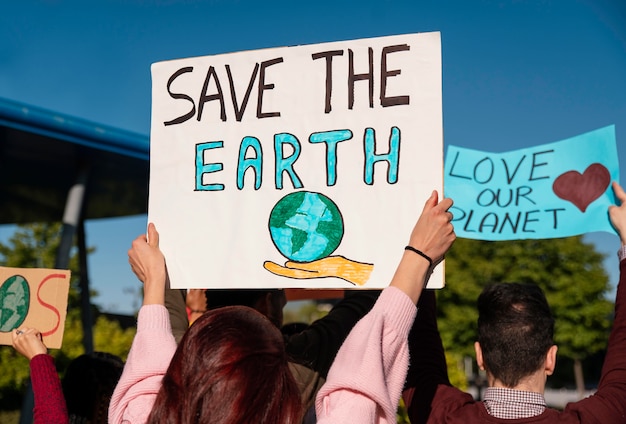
x=579, y=378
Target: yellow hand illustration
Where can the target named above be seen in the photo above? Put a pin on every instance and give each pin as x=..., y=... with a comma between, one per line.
x=333, y=266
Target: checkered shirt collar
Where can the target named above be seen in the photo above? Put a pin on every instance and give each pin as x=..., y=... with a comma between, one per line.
x=513, y=404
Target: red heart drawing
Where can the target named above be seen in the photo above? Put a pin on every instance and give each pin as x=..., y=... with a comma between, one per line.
x=583, y=189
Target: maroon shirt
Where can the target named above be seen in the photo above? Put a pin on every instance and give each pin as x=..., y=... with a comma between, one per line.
x=432, y=400
x=50, y=405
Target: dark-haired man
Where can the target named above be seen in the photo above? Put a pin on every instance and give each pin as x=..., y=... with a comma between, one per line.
x=516, y=350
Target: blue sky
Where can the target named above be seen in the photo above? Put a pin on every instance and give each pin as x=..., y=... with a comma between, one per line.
x=515, y=73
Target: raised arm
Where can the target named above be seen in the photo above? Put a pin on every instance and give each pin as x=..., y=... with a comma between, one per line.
x=148, y=264
x=153, y=345
x=365, y=381
x=427, y=368
x=432, y=236
x=608, y=404
x=175, y=302
x=47, y=391
x=617, y=213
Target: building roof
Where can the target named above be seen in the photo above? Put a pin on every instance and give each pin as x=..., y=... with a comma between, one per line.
x=43, y=152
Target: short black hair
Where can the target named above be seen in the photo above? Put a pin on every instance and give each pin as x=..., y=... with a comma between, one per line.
x=88, y=385
x=218, y=298
x=515, y=330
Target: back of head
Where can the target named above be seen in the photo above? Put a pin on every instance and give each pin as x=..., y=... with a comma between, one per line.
x=230, y=367
x=88, y=385
x=515, y=330
x=269, y=302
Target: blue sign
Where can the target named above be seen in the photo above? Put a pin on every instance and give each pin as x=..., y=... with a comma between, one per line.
x=554, y=190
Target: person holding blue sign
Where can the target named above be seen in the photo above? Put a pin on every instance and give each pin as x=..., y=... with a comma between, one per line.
x=516, y=349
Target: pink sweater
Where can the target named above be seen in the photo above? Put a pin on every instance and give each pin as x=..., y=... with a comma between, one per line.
x=363, y=386
x=148, y=360
x=366, y=379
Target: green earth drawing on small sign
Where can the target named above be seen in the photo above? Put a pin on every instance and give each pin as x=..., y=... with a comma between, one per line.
x=306, y=226
x=14, y=303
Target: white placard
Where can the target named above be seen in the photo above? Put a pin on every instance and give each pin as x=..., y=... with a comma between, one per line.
x=322, y=155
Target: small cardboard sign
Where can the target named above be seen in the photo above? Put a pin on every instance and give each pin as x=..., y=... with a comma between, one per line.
x=553, y=190
x=34, y=298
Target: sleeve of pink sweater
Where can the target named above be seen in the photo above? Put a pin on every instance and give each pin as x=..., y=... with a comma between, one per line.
x=148, y=360
x=366, y=379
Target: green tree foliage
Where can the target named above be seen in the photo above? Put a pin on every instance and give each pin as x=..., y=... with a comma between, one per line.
x=35, y=246
x=306, y=312
x=569, y=270
x=456, y=373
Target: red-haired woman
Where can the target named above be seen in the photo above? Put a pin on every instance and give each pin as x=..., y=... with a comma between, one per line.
x=231, y=366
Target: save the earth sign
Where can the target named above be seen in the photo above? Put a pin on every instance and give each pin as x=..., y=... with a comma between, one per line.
x=301, y=167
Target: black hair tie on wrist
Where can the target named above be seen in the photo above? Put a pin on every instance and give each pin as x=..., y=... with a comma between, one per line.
x=422, y=254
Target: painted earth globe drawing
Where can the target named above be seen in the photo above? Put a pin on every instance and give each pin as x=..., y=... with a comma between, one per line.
x=14, y=302
x=306, y=226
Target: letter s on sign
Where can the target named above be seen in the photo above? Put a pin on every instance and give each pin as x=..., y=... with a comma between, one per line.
x=47, y=305
x=189, y=114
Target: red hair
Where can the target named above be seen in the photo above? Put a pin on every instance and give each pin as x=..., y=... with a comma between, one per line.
x=230, y=367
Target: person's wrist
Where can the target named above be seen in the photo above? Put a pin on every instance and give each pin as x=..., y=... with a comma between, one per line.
x=154, y=293
x=35, y=354
x=410, y=275
x=420, y=253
